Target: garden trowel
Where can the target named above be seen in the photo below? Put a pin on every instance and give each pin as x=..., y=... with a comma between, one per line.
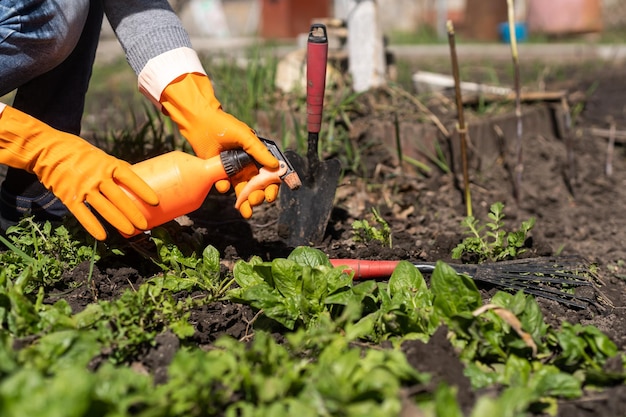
x=305, y=213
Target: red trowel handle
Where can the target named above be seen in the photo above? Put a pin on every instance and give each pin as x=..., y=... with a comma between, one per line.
x=366, y=269
x=316, y=58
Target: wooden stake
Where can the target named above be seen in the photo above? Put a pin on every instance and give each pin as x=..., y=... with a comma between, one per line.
x=461, y=127
x=519, y=167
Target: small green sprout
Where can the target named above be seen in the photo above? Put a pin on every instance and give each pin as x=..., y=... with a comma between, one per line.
x=490, y=242
x=364, y=232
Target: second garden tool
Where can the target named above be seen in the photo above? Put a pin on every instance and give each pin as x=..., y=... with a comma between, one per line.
x=550, y=278
x=305, y=212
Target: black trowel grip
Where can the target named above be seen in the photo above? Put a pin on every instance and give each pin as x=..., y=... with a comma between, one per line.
x=317, y=56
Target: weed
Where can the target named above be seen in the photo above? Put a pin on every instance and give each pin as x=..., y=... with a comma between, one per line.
x=45, y=251
x=490, y=242
x=417, y=164
x=130, y=323
x=381, y=232
x=439, y=159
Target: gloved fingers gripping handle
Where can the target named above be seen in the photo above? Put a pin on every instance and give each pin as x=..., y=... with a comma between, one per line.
x=271, y=192
x=222, y=186
x=241, y=170
x=261, y=181
x=244, y=208
x=254, y=185
x=256, y=197
x=261, y=154
x=253, y=146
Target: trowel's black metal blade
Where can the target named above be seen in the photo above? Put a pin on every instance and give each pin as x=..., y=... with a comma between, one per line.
x=304, y=213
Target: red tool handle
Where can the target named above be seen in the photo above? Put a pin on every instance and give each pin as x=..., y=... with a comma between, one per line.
x=316, y=58
x=366, y=269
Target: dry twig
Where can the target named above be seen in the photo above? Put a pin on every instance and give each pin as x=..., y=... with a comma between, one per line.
x=462, y=129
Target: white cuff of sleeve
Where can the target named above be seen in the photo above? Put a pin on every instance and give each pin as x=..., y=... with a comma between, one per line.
x=161, y=70
x=2, y=106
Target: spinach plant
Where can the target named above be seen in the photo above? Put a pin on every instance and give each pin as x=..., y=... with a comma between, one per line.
x=292, y=291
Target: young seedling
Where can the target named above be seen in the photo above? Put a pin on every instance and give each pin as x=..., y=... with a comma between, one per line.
x=490, y=242
x=381, y=232
x=46, y=250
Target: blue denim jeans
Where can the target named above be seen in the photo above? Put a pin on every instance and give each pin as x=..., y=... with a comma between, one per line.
x=47, y=49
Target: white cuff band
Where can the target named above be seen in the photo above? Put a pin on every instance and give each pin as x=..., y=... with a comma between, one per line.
x=2, y=106
x=161, y=70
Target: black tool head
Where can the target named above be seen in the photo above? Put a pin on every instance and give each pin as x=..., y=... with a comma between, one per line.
x=304, y=213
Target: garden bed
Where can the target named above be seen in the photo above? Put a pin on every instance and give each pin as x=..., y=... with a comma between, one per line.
x=579, y=210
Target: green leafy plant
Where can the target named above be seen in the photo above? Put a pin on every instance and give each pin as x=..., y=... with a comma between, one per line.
x=380, y=231
x=490, y=241
x=511, y=335
x=292, y=291
x=202, y=272
x=325, y=361
x=44, y=250
x=130, y=323
x=23, y=315
x=273, y=379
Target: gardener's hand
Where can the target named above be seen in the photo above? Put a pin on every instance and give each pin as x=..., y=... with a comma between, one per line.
x=76, y=172
x=255, y=197
x=189, y=101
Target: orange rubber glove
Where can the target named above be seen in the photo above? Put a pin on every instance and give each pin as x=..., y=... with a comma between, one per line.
x=189, y=101
x=76, y=172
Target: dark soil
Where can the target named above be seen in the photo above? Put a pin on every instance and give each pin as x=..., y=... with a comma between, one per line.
x=578, y=208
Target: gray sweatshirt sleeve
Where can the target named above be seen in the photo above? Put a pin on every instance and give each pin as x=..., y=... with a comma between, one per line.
x=145, y=29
